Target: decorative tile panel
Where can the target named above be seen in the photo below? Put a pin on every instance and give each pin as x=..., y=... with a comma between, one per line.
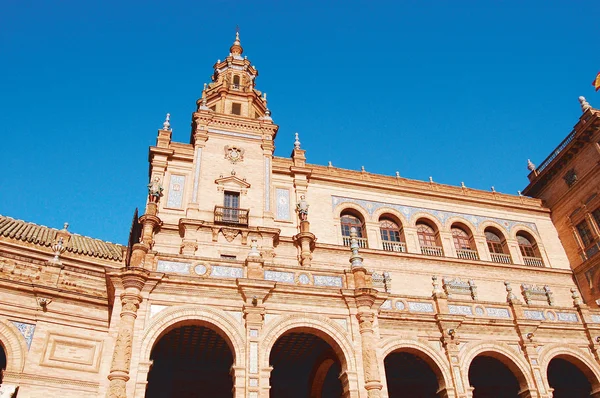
x=458, y=379
x=254, y=357
x=221, y=271
x=237, y=315
x=595, y=318
x=420, y=307
x=304, y=279
x=234, y=134
x=26, y=330
x=456, y=286
x=342, y=322
x=253, y=394
x=253, y=383
x=267, y=183
x=282, y=198
x=408, y=211
x=387, y=305
x=253, y=332
x=176, y=186
x=497, y=312
x=278, y=276
x=173, y=266
x=536, y=315
x=326, y=280
x=198, y=161
x=460, y=309
x=155, y=309
x=400, y=306
x=567, y=316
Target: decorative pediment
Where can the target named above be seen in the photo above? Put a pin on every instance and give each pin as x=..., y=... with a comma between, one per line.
x=232, y=182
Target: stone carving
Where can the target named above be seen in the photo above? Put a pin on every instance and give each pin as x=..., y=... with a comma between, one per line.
x=458, y=287
x=230, y=233
x=302, y=208
x=510, y=296
x=155, y=190
x=535, y=293
x=234, y=154
x=576, y=297
x=382, y=281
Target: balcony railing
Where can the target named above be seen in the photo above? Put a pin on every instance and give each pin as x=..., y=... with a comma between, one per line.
x=467, y=254
x=500, y=258
x=362, y=242
x=533, y=261
x=231, y=215
x=432, y=251
x=391, y=246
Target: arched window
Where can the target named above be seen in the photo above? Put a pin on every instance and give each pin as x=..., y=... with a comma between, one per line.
x=496, y=245
x=428, y=239
x=529, y=250
x=391, y=235
x=348, y=221
x=462, y=244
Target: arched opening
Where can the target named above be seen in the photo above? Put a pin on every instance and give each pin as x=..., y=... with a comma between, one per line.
x=491, y=378
x=189, y=359
x=428, y=238
x=349, y=220
x=2, y=362
x=463, y=242
x=529, y=249
x=304, y=365
x=567, y=380
x=236, y=81
x=497, y=246
x=409, y=375
x=392, y=237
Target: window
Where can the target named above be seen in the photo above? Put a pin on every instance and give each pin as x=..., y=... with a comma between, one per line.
x=584, y=232
x=426, y=235
x=570, y=177
x=461, y=239
x=228, y=257
x=236, y=108
x=596, y=215
x=494, y=242
x=390, y=231
x=231, y=204
x=527, y=248
x=348, y=221
x=236, y=81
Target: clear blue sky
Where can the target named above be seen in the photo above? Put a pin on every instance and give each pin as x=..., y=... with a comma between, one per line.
x=461, y=91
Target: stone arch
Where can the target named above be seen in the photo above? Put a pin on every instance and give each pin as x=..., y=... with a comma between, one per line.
x=14, y=345
x=578, y=357
x=323, y=327
x=222, y=323
x=471, y=229
x=428, y=217
x=351, y=206
x=523, y=228
x=382, y=211
x=489, y=223
x=505, y=354
x=437, y=363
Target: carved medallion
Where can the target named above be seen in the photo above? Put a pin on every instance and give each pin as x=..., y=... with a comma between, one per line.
x=234, y=154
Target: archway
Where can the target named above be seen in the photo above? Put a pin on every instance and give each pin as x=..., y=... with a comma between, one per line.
x=491, y=378
x=409, y=375
x=189, y=359
x=3, y=363
x=304, y=365
x=567, y=380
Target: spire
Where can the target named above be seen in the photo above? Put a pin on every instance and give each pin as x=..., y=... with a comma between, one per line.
x=297, y=142
x=236, y=48
x=584, y=104
x=167, y=123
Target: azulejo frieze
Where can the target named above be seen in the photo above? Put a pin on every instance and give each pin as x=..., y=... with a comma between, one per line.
x=371, y=207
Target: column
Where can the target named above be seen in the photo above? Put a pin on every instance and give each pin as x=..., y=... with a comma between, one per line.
x=133, y=281
x=368, y=345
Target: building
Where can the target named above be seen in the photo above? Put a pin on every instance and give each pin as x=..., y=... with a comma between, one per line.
x=568, y=181
x=250, y=275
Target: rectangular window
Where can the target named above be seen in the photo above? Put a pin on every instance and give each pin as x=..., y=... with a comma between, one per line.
x=231, y=202
x=584, y=232
x=236, y=109
x=228, y=257
x=596, y=215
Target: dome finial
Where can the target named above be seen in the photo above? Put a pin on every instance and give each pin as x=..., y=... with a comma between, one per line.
x=236, y=49
x=530, y=165
x=584, y=104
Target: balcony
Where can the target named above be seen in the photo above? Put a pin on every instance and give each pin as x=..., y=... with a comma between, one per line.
x=467, y=254
x=533, y=261
x=500, y=258
x=362, y=242
x=390, y=246
x=432, y=251
x=231, y=216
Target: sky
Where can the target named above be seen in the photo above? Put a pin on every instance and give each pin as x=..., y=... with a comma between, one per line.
x=462, y=91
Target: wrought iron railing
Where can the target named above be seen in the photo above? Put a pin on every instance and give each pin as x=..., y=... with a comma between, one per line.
x=432, y=251
x=467, y=254
x=555, y=153
x=500, y=258
x=231, y=215
x=391, y=246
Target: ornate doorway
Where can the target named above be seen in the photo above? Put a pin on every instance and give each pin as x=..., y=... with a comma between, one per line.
x=408, y=375
x=190, y=361
x=304, y=365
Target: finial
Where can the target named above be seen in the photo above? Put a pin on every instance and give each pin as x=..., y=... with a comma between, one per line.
x=355, y=259
x=265, y=96
x=65, y=226
x=397, y=174
x=329, y=164
x=430, y=179
x=297, y=142
x=576, y=297
x=519, y=192
x=530, y=165
x=58, y=249
x=510, y=296
x=167, y=123
x=204, y=89
x=584, y=104
x=236, y=49
x=493, y=189
x=437, y=290
x=462, y=184
x=254, y=249
x=362, y=168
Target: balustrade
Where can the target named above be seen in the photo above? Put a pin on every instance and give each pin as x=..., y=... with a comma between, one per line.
x=432, y=251
x=500, y=258
x=390, y=246
x=467, y=254
x=533, y=261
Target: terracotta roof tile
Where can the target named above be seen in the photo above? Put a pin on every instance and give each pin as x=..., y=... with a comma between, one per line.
x=44, y=236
